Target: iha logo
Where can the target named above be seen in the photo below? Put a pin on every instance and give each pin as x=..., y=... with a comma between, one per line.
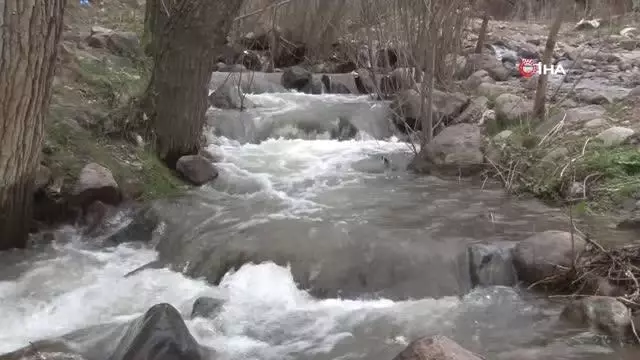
x=530, y=67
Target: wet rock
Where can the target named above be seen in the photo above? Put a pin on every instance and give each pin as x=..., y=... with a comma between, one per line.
x=602, y=313
x=334, y=86
x=196, y=169
x=314, y=87
x=296, y=78
x=95, y=215
x=492, y=265
x=512, y=109
x=539, y=256
x=489, y=63
x=40, y=350
x=629, y=44
x=213, y=155
x=491, y=90
x=457, y=150
x=206, y=307
x=229, y=96
x=160, y=334
x=615, y=136
x=141, y=227
x=435, y=348
x=96, y=183
x=472, y=114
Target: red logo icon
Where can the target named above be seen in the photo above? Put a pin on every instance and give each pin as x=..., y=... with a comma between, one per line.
x=527, y=68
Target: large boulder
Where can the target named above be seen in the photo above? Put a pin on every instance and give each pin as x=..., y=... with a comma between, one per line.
x=160, y=334
x=296, y=78
x=615, y=136
x=602, y=313
x=406, y=106
x=487, y=62
x=196, y=169
x=95, y=183
x=473, y=112
x=539, y=257
x=435, y=348
x=513, y=110
x=457, y=150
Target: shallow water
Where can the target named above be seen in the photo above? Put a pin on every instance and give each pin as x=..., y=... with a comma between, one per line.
x=381, y=249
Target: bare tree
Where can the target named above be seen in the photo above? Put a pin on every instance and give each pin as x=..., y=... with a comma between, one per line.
x=184, y=37
x=29, y=34
x=539, y=105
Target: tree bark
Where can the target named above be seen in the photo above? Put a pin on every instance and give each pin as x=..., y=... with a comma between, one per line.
x=539, y=104
x=183, y=51
x=29, y=34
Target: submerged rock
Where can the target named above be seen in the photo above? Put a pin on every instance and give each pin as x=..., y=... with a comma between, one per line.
x=605, y=314
x=196, y=169
x=296, y=78
x=540, y=256
x=492, y=265
x=207, y=307
x=435, y=348
x=160, y=334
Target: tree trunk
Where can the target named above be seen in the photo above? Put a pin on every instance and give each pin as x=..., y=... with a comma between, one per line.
x=539, y=105
x=29, y=34
x=176, y=98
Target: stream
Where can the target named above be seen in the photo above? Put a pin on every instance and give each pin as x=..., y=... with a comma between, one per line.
x=340, y=253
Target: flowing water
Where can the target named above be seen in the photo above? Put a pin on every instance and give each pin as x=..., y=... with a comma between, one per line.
x=365, y=256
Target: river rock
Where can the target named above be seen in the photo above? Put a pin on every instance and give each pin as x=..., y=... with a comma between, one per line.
x=457, y=150
x=296, y=78
x=141, y=227
x=512, y=109
x=477, y=78
x=96, y=183
x=615, y=136
x=314, y=87
x=125, y=44
x=489, y=63
x=229, y=96
x=538, y=257
x=472, y=114
x=160, y=334
x=206, y=307
x=602, y=313
x=406, y=107
x=196, y=169
x=492, y=264
x=492, y=90
x=334, y=86
x=435, y=348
